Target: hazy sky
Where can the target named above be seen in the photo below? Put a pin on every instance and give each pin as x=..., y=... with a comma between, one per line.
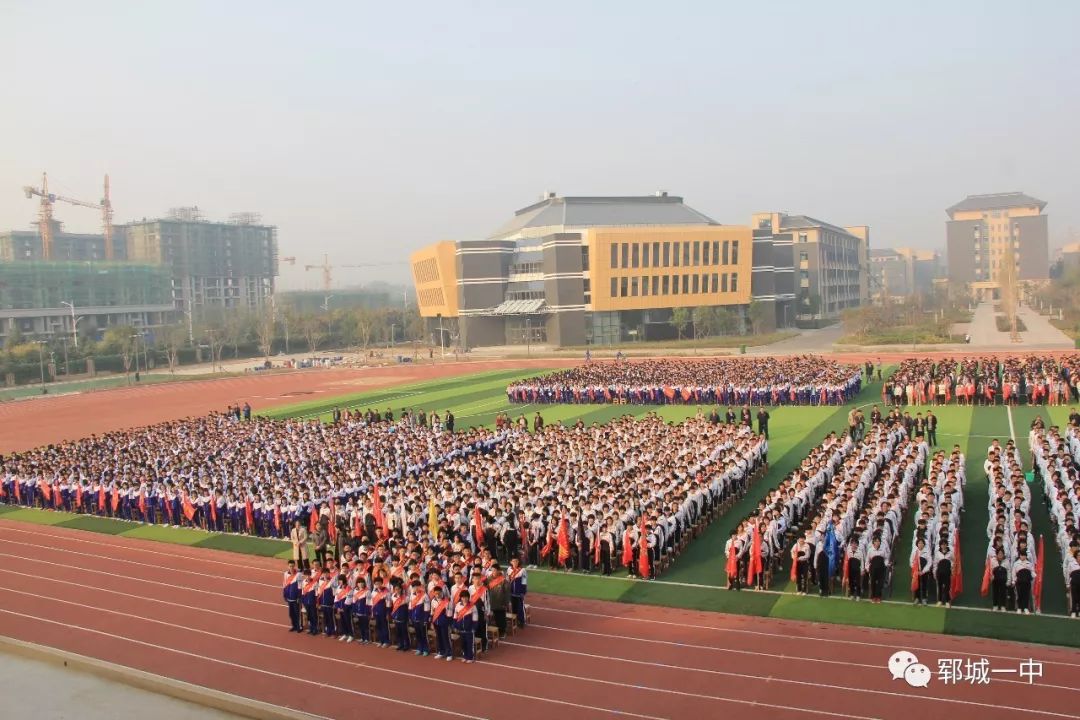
x=366, y=130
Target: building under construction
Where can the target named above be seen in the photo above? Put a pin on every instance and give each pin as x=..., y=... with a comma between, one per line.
x=147, y=273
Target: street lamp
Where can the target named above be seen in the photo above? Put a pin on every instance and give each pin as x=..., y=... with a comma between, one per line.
x=74, y=322
x=41, y=362
x=326, y=309
x=393, y=326
x=442, y=344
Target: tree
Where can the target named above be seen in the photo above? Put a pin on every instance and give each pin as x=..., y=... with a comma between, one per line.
x=265, y=325
x=758, y=313
x=236, y=329
x=314, y=330
x=681, y=318
x=363, y=322
x=705, y=321
x=14, y=338
x=727, y=322
x=173, y=338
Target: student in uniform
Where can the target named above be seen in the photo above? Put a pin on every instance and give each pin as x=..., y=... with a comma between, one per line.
x=343, y=609
x=290, y=584
x=399, y=613
x=478, y=596
x=380, y=611
x=924, y=569
x=1072, y=574
x=875, y=559
x=943, y=573
x=800, y=556
x=855, y=567
x=307, y=598
x=999, y=580
x=325, y=594
x=1023, y=576
x=361, y=619
x=465, y=623
x=519, y=586
x=498, y=595
x=419, y=612
x=440, y=620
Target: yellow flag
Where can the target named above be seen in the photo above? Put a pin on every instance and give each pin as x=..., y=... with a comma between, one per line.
x=433, y=520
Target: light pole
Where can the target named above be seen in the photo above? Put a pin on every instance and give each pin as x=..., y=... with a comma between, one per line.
x=326, y=309
x=390, y=344
x=190, y=326
x=442, y=344
x=74, y=322
x=41, y=362
x=528, y=337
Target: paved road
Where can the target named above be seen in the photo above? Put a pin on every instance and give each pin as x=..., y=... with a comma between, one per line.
x=1039, y=333
x=44, y=691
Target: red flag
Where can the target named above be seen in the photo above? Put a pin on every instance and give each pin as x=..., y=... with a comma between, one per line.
x=732, y=567
x=478, y=527
x=78, y=496
x=564, y=541
x=987, y=574
x=3, y=490
x=916, y=570
x=376, y=505
x=643, y=550
x=57, y=497
x=596, y=547
x=213, y=509
x=249, y=514
x=115, y=498
x=101, y=497
x=277, y=517
x=168, y=509
x=845, y=568
x=627, y=549
x=357, y=530
x=313, y=518
x=794, y=564
x=188, y=508
x=754, y=567
x=44, y=489
x=18, y=491
x=142, y=502
x=957, y=569
x=1039, y=562
x=546, y=550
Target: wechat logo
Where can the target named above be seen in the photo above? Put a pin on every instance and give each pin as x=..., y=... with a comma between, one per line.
x=903, y=665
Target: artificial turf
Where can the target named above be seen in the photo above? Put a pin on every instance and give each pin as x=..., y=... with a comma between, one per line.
x=696, y=580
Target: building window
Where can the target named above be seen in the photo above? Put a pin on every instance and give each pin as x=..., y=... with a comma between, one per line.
x=645, y=255
x=634, y=255
x=802, y=237
x=665, y=285
x=734, y=282
x=723, y=282
x=625, y=254
x=667, y=254
x=685, y=254
x=655, y=284
x=704, y=253
x=585, y=257
x=675, y=254
x=725, y=256
x=645, y=285
x=803, y=257
x=614, y=255
x=734, y=252
x=697, y=252
x=716, y=252
x=623, y=286
x=633, y=286
x=696, y=284
x=588, y=291
x=614, y=286
x=686, y=284
x=715, y=283
x=674, y=284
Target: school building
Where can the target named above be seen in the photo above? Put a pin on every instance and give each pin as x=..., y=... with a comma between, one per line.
x=572, y=271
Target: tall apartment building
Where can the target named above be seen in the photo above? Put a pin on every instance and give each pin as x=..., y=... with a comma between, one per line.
x=25, y=245
x=985, y=232
x=224, y=264
x=601, y=270
x=830, y=262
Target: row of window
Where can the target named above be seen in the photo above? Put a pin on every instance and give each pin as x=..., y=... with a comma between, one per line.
x=525, y=295
x=674, y=284
x=526, y=268
x=674, y=254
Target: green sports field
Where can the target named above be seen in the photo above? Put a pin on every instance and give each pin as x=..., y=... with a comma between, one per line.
x=696, y=579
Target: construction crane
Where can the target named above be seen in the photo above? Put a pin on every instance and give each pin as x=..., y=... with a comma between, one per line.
x=45, y=214
x=290, y=260
x=328, y=269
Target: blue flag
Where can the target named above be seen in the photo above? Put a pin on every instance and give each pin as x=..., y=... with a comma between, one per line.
x=832, y=548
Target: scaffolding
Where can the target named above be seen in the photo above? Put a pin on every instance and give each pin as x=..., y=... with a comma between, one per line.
x=34, y=285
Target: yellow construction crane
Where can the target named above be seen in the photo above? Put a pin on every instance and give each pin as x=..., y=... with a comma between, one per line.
x=45, y=214
x=327, y=269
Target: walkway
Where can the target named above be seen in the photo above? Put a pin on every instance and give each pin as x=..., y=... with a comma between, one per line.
x=1038, y=333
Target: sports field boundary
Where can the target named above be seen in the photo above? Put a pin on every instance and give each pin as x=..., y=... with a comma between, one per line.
x=895, y=615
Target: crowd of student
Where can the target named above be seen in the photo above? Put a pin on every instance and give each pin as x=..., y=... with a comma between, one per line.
x=1032, y=379
x=1055, y=460
x=842, y=506
x=1012, y=574
x=936, y=570
x=802, y=380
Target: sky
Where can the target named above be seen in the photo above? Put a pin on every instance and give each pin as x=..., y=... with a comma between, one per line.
x=367, y=130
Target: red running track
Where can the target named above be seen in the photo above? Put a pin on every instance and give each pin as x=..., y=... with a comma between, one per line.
x=216, y=619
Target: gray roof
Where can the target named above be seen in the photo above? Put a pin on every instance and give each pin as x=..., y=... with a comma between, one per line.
x=604, y=212
x=519, y=307
x=995, y=201
x=794, y=222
